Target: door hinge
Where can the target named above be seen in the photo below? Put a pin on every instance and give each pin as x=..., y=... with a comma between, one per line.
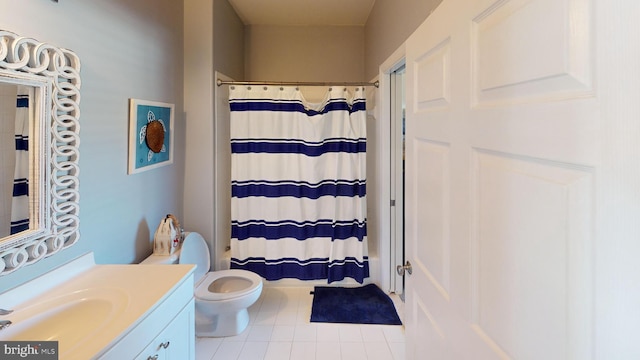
x=393, y=203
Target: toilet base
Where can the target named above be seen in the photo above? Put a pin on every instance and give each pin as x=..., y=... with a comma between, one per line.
x=223, y=325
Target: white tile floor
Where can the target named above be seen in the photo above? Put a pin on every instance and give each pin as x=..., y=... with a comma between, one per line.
x=280, y=329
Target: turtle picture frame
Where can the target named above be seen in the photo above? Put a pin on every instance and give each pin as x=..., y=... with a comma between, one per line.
x=150, y=135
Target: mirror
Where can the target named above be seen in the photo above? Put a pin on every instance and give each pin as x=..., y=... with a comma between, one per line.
x=17, y=119
x=39, y=111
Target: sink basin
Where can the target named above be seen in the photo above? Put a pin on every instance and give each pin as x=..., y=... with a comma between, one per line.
x=69, y=319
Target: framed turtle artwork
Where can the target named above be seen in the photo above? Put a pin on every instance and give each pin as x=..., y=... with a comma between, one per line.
x=150, y=135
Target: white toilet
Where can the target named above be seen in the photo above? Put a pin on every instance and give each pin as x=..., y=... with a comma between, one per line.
x=221, y=297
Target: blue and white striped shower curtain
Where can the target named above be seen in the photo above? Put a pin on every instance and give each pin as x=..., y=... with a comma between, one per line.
x=20, y=201
x=298, y=204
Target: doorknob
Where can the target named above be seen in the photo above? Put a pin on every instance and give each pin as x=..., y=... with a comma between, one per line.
x=402, y=268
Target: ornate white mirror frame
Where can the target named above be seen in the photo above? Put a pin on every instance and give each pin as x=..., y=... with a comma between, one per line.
x=55, y=74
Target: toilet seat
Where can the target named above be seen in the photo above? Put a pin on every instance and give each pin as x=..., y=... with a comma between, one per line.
x=203, y=292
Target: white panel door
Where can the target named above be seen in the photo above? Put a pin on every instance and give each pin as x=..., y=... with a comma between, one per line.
x=504, y=170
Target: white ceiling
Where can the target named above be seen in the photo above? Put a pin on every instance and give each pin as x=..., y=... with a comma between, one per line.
x=303, y=12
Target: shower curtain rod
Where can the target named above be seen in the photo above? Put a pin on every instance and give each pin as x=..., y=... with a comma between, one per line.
x=297, y=83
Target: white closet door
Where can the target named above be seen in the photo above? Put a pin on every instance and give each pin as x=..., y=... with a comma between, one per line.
x=511, y=180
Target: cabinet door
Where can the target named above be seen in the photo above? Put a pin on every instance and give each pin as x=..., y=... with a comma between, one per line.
x=176, y=341
x=179, y=336
x=153, y=351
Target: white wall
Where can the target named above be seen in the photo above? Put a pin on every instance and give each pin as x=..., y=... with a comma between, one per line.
x=128, y=49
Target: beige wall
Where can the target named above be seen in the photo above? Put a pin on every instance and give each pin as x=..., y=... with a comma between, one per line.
x=8, y=94
x=128, y=49
x=214, y=41
x=304, y=53
x=332, y=53
x=228, y=40
x=198, y=106
x=388, y=26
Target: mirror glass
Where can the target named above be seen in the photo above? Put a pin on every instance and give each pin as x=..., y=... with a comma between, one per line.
x=39, y=139
x=18, y=117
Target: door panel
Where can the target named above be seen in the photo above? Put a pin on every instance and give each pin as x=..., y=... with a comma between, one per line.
x=530, y=218
x=532, y=50
x=433, y=68
x=501, y=168
x=432, y=201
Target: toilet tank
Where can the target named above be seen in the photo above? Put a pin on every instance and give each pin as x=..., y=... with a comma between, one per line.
x=162, y=259
x=195, y=251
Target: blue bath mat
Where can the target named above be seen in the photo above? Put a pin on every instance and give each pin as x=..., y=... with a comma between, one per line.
x=360, y=305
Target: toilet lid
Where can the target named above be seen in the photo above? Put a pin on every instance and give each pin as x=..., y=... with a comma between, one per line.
x=195, y=251
x=227, y=284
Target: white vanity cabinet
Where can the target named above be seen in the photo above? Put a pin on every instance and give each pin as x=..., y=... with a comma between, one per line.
x=175, y=342
x=166, y=332
x=110, y=311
